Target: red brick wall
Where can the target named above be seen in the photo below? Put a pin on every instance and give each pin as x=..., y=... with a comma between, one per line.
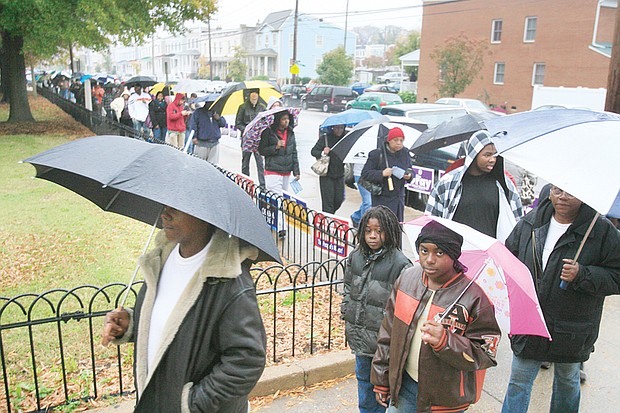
x=564, y=33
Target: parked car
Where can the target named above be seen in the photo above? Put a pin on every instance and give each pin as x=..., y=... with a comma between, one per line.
x=374, y=101
x=382, y=88
x=360, y=87
x=328, y=98
x=392, y=77
x=471, y=105
x=431, y=114
x=291, y=95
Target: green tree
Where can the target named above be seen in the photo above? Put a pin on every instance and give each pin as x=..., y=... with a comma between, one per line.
x=459, y=62
x=404, y=45
x=237, y=68
x=45, y=28
x=336, y=68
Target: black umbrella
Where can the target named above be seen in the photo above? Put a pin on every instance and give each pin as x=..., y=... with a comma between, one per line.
x=136, y=179
x=143, y=81
x=449, y=132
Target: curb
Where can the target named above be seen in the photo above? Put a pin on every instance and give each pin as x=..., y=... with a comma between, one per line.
x=305, y=372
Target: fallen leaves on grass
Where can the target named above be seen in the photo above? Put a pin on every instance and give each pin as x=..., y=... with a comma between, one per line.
x=49, y=120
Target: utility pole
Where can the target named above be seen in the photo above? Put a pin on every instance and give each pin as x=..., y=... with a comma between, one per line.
x=210, y=58
x=346, y=23
x=612, y=101
x=294, y=76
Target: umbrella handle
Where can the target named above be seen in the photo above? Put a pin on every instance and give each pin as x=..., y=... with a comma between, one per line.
x=564, y=284
x=449, y=308
x=135, y=273
x=390, y=183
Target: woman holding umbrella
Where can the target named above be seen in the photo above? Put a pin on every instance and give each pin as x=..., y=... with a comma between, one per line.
x=332, y=184
x=390, y=167
x=279, y=148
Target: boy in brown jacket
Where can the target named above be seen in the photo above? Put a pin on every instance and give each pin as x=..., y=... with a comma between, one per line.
x=438, y=335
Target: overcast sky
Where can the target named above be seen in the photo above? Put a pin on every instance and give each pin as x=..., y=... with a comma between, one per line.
x=403, y=13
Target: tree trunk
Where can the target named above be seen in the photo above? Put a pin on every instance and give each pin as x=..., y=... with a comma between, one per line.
x=612, y=102
x=3, y=77
x=15, y=66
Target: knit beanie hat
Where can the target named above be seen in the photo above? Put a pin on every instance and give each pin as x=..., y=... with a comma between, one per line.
x=395, y=133
x=446, y=239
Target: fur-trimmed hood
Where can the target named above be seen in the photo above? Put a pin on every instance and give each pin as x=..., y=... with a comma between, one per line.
x=223, y=261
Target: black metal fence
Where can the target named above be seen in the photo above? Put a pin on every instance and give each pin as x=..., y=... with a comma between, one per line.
x=49, y=342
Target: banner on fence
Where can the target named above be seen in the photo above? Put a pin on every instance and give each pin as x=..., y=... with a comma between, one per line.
x=330, y=233
x=269, y=208
x=296, y=212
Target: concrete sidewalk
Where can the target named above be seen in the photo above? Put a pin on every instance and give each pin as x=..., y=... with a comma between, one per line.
x=599, y=393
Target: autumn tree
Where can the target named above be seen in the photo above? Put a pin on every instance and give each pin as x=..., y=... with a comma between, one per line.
x=459, y=61
x=237, y=68
x=48, y=27
x=336, y=67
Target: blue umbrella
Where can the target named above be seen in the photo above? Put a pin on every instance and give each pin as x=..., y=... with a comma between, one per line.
x=350, y=117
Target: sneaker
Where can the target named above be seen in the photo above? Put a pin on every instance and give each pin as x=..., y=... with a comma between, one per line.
x=545, y=365
x=282, y=234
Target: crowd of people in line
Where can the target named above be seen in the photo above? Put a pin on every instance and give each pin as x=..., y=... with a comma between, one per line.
x=421, y=339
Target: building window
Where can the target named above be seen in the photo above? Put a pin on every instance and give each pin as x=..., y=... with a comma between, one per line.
x=498, y=76
x=290, y=40
x=319, y=41
x=496, y=31
x=538, y=74
x=529, y=34
x=274, y=38
x=317, y=63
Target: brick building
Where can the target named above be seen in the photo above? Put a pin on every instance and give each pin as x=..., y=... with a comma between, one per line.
x=549, y=42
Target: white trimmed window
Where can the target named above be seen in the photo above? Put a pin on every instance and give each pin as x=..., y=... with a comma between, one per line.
x=538, y=74
x=498, y=75
x=496, y=31
x=319, y=40
x=317, y=63
x=529, y=34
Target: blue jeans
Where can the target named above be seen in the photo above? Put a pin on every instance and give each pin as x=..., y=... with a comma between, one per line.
x=365, y=394
x=566, y=387
x=141, y=128
x=159, y=134
x=408, y=396
x=356, y=217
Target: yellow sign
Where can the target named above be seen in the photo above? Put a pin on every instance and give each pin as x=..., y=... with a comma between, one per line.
x=294, y=69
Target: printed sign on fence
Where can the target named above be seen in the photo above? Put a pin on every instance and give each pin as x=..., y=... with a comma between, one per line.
x=422, y=181
x=330, y=233
x=296, y=212
x=269, y=208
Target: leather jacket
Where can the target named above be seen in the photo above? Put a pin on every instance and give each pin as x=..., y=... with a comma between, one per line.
x=452, y=373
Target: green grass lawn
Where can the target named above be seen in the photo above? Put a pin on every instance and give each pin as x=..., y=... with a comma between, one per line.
x=51, y=237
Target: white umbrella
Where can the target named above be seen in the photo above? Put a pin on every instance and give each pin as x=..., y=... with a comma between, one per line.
x=366, y=136
x=576, y=150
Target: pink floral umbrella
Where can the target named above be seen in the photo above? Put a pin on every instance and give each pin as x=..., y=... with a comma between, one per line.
x=251, y=136
x=507, y=281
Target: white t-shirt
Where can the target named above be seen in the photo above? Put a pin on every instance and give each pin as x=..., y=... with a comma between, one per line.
x=556, y=230
x=175, y=276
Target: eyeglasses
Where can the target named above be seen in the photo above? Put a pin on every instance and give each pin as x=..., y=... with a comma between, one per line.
x=555, y=191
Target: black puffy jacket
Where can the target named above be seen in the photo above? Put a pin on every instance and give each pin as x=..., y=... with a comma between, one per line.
x=279, y=160
x=573, y=315
x=367, y=286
